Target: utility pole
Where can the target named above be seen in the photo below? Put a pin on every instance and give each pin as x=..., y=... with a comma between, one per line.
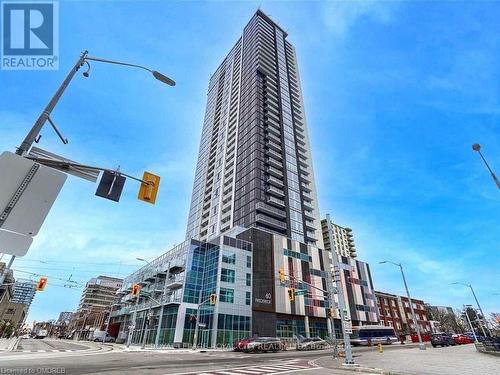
x=335, y=277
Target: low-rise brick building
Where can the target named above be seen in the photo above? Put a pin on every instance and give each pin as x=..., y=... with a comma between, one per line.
x=395, y=311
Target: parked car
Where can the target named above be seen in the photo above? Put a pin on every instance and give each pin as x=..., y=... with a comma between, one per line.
x=264, y=344
x=471, y=336
x=462, y=339
x=240, y=345
x=99, y=335
x=441, y=339
x=312, y=344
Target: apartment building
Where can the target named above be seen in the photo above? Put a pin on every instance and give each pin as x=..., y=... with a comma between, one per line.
x=254, y=165
x=343, y=239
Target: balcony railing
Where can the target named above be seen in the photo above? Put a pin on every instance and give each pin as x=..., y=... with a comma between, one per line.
x=261, y=206
x=264, y=219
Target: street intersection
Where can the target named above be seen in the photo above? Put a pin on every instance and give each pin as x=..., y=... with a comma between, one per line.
x=71, y=357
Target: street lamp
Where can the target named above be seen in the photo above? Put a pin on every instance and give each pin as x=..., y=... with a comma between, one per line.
x=466, y=307
x=421, y=344
x=477, y=302
x=45, y=115
x=477, y=147
x=33, y=134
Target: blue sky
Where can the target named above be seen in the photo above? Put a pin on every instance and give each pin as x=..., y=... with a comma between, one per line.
x=395, y=94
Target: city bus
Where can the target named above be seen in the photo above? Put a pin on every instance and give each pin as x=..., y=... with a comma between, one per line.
x=372, y=335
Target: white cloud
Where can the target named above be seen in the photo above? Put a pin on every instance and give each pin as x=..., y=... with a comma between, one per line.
x=340, y=16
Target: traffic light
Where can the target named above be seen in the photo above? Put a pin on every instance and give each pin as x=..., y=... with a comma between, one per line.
x=291, y=294
x=149, y=188
x=281, y=275
x=332, y=313
x=213, y=299
x=136, y=289
x=40, y=286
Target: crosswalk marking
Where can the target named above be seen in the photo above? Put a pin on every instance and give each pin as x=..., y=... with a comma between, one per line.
x=274, y=368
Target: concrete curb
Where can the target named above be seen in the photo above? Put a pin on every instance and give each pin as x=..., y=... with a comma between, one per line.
x=355, y=367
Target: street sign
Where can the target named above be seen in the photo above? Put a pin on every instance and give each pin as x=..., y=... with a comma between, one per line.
x=27, y=192
x=61, y=163
x=301, y=292
x=202, y=325
x=347, y=326
x=111, y=186
x=17, y=244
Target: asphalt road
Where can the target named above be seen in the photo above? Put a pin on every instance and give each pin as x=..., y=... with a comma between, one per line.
x=112, y=359
x=49, y=345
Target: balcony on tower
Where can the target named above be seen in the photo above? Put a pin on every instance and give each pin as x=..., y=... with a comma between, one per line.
x=270, y=222
x=274, y=172
x=270, y=210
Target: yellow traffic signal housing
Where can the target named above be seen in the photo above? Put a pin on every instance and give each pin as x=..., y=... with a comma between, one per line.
x=281, y=275
x=136, y=289
x=213, y=299
x=332, y=313
x=40, y=286
x=149, y=188
x=291, y=294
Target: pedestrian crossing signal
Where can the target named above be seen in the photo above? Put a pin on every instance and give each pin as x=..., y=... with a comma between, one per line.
x=291, y=294
x=149, y=188
x=40, y=286
x=213, y=299
x=136, y=288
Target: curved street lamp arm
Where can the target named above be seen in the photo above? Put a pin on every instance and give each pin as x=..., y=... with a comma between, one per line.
x=116, y=62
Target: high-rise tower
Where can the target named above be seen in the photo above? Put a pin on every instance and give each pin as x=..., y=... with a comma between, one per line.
x=254, y=165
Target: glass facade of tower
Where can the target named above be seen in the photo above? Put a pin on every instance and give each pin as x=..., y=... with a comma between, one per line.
x=254, y=166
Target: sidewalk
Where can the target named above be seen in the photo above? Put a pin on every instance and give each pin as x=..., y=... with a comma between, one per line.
x=463, y=360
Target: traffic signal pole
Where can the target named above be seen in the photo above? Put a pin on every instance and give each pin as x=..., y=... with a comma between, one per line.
x=335, y=277
x=197, y=325
x=134, y=318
